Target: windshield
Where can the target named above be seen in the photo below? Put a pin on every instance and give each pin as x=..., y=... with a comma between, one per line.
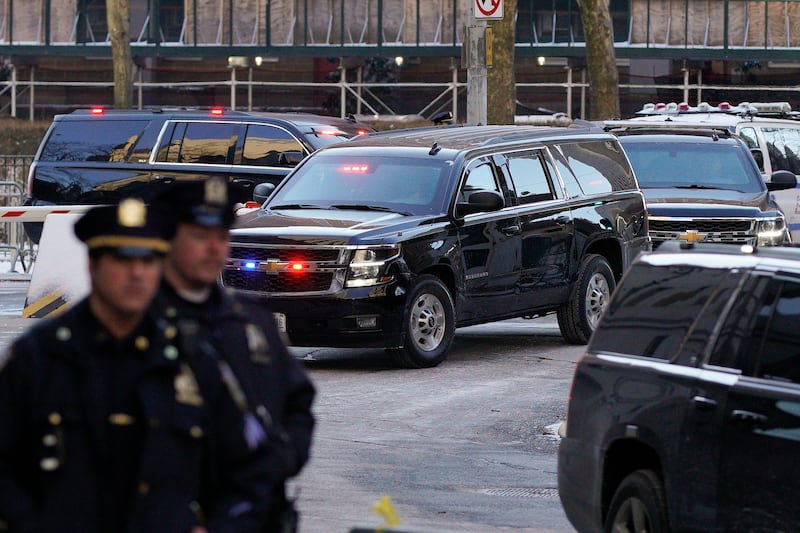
x=690, y=165
x=398, y=184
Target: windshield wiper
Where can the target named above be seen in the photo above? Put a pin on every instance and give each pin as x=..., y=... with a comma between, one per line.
x=695, y=186
x=361, y=207
x=295, y=206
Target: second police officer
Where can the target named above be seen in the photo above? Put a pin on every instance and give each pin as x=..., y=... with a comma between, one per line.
x=272, y=387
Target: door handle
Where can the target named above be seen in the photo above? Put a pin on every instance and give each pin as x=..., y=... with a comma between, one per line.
x=511, y=230
x=749, y=417
x=704, y=404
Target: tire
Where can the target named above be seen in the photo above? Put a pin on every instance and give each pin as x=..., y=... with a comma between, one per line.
x=638, y=505
x=577, y=318
x=428, y=325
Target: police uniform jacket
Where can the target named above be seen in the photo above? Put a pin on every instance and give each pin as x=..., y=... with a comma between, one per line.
x=242, y=332
x=86, y=449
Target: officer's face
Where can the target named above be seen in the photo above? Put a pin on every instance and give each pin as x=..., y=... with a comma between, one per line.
x=124, y=286
x=197, y=255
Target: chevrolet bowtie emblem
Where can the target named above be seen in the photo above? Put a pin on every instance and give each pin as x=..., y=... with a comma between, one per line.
x=692, y=236
x=274, y=265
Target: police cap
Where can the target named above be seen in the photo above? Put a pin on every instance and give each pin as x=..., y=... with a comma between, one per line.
x=208, y=202
x=129, y=229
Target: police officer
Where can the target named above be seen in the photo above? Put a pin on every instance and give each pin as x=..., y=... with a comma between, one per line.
x=273, y=386
x=105, y=424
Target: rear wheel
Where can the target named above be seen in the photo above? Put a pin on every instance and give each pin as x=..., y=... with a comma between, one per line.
x=428, y=325
x=638, y=505
x=578, y=317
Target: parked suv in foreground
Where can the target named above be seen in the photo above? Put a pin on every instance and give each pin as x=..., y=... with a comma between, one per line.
x=99, y=156
x=684, y=412
x=702, y=185
x=395, y=239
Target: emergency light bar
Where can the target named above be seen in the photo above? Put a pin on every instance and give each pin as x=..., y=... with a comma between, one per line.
x=744, y=108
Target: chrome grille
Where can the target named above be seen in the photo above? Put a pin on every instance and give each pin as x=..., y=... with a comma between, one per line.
x=721, y=230
x=265, y=269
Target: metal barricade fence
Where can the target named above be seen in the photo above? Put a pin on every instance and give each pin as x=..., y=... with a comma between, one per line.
x=15, y=247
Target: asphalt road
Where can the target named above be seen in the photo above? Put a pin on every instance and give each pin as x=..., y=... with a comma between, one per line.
x=468, y=446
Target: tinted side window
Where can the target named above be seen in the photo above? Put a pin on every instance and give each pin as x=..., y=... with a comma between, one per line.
x=266, y=145
x=777, y=332
x=88, y=140
x=653, y=310
x=599, y=166
x=480, y=177
x=749, y=137
x=783, y=146
x=530, y=178
x=201, y=142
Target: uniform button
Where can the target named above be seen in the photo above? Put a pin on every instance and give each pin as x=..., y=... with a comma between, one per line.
x=171, y=312
x=196, y=432
x=63, y=333
x=49, y=464
x=143, y=488
x=54, y=419
x=142, y=343
x=49, y=440
x=171, y=352
x=170, y=332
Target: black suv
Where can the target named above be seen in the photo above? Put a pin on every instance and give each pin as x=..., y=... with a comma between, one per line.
x=684, y=413
x=395, y=239
x=703, y=185
x=98, y=156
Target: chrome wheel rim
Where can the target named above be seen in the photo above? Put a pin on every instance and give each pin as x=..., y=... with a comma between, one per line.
x=631, y=518
x=427, y=322
x=598, y=292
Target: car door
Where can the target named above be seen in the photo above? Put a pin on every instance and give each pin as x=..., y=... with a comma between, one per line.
x=759, y=474
x=266, y=153
x=491, y=248
x=546, y=230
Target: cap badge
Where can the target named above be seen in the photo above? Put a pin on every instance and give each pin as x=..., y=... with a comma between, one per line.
x=216, y=191
x=131, y=213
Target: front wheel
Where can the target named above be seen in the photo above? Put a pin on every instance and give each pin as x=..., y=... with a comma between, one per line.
x=638, y=505
x=428, y=325
x=578, y=317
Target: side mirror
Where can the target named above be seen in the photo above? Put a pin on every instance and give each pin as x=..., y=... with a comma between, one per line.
x=262, y=192
x=480, y=201
x=758, y=155
x=781, y=180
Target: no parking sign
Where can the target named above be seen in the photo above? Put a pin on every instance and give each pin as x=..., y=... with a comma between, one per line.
x=488, y=9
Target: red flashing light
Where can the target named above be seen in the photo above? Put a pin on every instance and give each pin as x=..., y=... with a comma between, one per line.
x=330, y=132
x=296, y=266
x=217, y=111
x=362, y=132
x=98, y=111
x=355, y=169
x=660, y=106
x=725, y=106
x=683, y=106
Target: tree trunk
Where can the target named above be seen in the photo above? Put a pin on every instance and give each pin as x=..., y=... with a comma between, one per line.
x=119, y=24
x=501, y=98
x=600, y=59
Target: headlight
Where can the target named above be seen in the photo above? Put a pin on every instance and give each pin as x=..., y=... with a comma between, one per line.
x=368, y=266
x=772, y=232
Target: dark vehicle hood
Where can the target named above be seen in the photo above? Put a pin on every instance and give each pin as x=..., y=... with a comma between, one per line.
x=707, y=203
x=323, y=226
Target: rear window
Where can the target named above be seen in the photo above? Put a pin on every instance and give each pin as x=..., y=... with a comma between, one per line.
x=599, y=166
x=654, y=309
x=89, y=140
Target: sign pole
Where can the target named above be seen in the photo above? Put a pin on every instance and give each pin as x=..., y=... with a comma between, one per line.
x=477, y=46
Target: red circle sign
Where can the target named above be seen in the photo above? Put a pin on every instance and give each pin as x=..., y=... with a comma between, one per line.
x=487, y=7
